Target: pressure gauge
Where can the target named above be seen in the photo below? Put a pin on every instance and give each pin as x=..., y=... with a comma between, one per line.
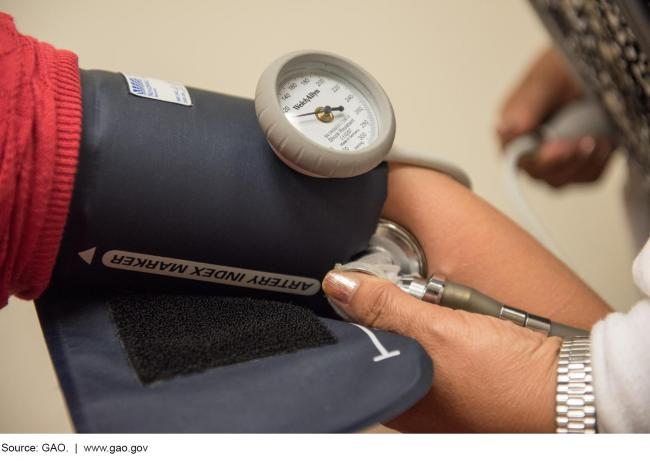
x=323, y=115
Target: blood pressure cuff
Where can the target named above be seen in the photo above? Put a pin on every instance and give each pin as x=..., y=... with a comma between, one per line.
x=191, y=198
x=186, y=237
x=362, y=378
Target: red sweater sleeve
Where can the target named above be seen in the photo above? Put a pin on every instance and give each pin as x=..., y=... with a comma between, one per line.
x=40, y=130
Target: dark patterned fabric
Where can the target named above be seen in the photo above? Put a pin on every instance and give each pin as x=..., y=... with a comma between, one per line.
x=601, y=42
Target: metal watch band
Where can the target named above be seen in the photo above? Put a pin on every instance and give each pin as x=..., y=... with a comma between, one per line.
x=575, y=407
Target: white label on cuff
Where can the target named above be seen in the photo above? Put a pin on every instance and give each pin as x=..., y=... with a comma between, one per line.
x=161, y=90
x=211, y=273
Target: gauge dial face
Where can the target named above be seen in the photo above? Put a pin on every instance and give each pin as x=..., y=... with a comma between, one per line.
x=328, y=109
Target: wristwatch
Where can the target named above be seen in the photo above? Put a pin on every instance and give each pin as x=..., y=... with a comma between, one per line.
x=575, y=406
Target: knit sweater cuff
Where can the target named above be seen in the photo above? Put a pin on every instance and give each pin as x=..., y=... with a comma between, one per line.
x=64, y=73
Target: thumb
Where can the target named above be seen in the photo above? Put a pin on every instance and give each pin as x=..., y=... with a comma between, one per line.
x=378, y=303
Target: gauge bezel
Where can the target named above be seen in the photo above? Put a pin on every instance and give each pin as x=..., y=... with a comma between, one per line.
x=300, y=152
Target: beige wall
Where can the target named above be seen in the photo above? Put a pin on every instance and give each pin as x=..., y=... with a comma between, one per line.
x=445, y=65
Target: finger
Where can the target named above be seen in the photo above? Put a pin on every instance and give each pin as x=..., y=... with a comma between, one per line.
x=380, y=304
x=576, y=160
x=545, y=88
x=596, y=164
x=550, y=159
x=568, y=174
x=581, y=160
x=585, y=163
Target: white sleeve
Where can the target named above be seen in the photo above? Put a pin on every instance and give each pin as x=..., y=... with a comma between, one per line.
x=620, y=356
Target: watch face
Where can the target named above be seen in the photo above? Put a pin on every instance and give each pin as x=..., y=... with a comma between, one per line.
x=328, y=109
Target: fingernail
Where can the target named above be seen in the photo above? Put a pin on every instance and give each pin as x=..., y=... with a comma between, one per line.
x=587, y=146
x=340, y=287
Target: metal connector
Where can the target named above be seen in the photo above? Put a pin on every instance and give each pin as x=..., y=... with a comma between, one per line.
x=435, y=288
x=537, y=323
x=524, y=319
x=514, y=315
x=429, y=291
x=413, y=285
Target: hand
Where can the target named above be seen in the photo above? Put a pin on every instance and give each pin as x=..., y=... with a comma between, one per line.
x=547, y=87
x=490, y=375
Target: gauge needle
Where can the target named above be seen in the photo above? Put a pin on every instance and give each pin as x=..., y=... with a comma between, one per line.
x=322, y=110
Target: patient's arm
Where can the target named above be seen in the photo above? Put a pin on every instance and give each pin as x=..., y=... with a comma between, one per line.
x=469, y=241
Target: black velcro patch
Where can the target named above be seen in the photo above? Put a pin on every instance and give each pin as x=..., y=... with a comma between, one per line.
x=167, y=335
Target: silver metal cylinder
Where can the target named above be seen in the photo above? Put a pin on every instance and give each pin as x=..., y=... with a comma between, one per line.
x=434, y=290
